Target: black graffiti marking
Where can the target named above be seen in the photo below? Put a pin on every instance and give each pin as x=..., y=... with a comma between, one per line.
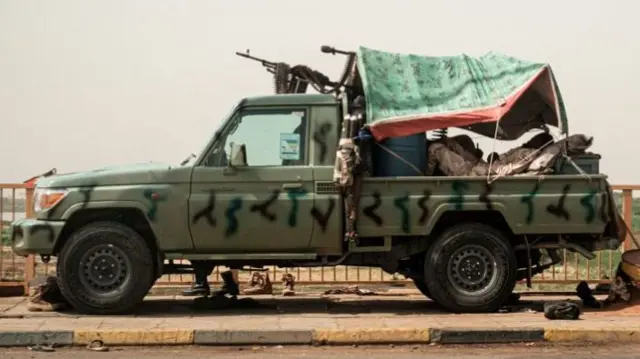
x=86, y=198
x=484, y=196
x=263, y=208
x=401, y=204
x=559, y=209
x=323, y=219
x=86, y=193
x=587, y=201
x=320, y=138
x=293, y=212
x=232, y=221
x=528, y=200
x=422, y=204
x=43, y=228
x=370, y=211
x=207, y=212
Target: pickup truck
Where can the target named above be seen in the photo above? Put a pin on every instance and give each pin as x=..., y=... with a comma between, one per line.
x=463, y=242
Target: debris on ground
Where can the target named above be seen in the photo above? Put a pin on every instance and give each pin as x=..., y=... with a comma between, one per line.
x=97, y=346
x=586, y=295
x=288, y=281
x=45, y=296
x=350, y=290
x=561, y=310
x=619, y=291
x=42, y=348
x=259, y=284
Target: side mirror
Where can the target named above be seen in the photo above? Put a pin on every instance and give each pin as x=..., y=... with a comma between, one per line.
x=237, y=155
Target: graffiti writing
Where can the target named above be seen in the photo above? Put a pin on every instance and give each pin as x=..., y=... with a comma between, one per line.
x=528, y=200
x=457, y=199
x=230, y=213
x=559, y=209
x=588, y=202
x=323, y=218
x=320, y=138
x=422, y=204
x=293, y=211
x=263, y=208
x=401, y=204
x=484, y=196
x=370, y=211
x=207, y=212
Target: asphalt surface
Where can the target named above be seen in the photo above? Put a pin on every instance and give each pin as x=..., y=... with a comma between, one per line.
x=515, y=351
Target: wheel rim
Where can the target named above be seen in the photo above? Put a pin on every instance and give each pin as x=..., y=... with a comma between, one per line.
x=472, y=269
x=105, y=270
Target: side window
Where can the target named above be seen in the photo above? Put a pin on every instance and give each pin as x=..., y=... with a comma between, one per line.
x=272, y=138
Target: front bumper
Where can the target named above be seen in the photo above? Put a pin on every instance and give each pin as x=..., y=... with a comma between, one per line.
x=33, y=236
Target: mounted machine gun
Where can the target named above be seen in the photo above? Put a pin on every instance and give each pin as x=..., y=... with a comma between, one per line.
x=296, y=79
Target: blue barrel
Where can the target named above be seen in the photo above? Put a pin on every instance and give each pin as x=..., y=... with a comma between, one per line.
x=412, y=149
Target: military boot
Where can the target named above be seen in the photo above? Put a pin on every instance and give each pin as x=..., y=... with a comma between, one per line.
x=259, y=284
x=199, y=288
x=229, y=285
x=288, y=280
x=46, y=297
x=196, y=290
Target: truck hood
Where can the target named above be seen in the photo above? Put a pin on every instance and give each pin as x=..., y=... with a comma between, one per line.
x=132, y=174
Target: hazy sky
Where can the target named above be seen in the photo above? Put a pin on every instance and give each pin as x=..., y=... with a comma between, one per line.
x=86, y=84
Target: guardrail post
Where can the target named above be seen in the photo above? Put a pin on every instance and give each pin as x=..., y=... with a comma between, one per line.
x=30, y=265
x=627, y=214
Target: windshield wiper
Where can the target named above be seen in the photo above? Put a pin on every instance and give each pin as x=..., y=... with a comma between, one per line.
x=188, y=159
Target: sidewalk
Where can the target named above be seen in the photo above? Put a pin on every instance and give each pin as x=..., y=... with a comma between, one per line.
x=307, y=319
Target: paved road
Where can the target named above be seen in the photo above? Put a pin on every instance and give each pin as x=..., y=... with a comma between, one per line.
x=398, y=352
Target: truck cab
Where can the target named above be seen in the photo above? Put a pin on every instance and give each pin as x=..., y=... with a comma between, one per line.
x=283, y=192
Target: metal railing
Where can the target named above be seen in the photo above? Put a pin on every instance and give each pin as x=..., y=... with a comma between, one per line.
x=17, y=271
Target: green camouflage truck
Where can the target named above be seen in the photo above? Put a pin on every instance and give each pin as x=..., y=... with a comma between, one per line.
x=463, y=241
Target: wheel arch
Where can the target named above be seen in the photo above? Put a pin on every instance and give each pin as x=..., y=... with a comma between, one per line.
x=132, y=217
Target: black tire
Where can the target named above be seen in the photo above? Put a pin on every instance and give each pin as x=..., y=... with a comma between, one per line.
x=489, y=267
x=422, y=286
x=105, y=268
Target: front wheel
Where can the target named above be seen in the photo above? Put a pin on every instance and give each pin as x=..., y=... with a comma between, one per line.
x=470, y=268
x=105, y=268
x=421, y=286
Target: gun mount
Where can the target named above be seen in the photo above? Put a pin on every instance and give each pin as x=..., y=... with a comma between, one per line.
x=296, y=79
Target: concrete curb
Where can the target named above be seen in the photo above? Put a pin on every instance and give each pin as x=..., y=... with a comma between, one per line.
x=166, y=337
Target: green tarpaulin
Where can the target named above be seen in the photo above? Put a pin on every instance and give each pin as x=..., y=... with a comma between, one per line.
x=408, y=94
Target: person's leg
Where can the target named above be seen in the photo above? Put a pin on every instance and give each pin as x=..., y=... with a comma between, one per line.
x=202, y=269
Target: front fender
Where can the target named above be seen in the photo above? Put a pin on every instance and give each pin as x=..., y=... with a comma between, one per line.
x=95, y=205
x=73, y=209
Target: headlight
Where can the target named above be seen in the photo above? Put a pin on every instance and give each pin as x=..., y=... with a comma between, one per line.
x=45, y=198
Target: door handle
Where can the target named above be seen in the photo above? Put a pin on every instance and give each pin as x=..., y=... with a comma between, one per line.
x=292, y=185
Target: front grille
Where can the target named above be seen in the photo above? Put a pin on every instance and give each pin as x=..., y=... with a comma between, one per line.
x=326, y=188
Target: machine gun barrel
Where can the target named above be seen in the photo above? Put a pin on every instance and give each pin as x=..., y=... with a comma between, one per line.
x=332, y=50
x=265, y=63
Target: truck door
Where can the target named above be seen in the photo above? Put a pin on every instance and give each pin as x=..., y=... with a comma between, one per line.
x=264, y=206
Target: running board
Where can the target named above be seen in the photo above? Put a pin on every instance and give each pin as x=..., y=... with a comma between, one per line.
x=242, y=256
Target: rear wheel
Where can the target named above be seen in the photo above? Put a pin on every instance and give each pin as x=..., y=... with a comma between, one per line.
x=105, y=268
x=470, y=268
